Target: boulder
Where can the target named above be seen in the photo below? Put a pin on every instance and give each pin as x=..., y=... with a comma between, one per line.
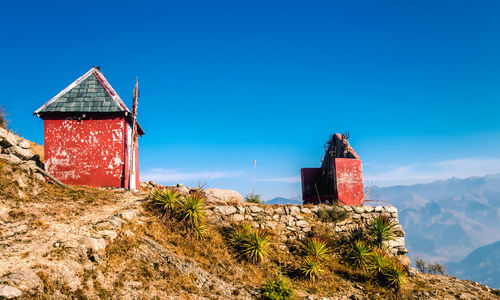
x=10, y=158
x=23, y=279
x=220, y=196
x=7, y=139
x=24, y=154
x=8, y=292
x=23, y=144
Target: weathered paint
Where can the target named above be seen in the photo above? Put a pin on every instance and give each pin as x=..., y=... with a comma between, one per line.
x=349, y=181
x=87, y=150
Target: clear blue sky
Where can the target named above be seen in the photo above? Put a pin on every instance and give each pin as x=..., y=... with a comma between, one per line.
x=223, y=83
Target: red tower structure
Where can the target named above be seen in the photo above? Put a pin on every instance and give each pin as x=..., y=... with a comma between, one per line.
x=340, y=177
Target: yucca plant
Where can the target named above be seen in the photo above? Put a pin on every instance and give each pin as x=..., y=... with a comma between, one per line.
x=311, y=268
x=395, y=275
x=199, y=231
x=255, y=246
x=316, y=248
x=166, y=199
x=378, y=260
x=192, y=209
x=380, y=230
x=359, y=254
x=239, y=234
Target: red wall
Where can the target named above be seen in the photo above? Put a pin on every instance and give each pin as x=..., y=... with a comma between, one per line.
x=349, y=179
x=89, y=152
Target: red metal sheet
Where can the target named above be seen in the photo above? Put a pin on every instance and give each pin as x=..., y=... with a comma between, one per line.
x=349, y=180
x=90, y=151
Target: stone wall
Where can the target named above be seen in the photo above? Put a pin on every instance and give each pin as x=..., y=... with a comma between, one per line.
x=296, y=221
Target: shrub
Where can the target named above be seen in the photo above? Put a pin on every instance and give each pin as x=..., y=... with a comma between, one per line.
x=395, y=275
x=311, y=268
x=432, y=268
x=316, y=248
x=333, y=215
x=192, y=209
x=253, y=198
x=3, y=120
x=380, y=230
x=277, y=289
x=166, y=199
x=255, y=246
x=359, y=254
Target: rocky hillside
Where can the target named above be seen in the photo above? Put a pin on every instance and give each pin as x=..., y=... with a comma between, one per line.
x=89, y=243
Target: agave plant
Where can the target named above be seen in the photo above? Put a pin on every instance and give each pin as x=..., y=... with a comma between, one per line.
x=378, y=260
x=359, y=254
x=166, y=199
x=255, y=246
x=311, y=268
x=395, y=275
x=193, y=209
x=380, y=230
x=316, y=248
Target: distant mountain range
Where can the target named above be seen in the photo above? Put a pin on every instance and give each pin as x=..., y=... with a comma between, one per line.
x=482, y=265
x=446, y=220
x=281, y=200
x=454, y=221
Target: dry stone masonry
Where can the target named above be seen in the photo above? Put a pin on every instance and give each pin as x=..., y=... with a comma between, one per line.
x=296, y=221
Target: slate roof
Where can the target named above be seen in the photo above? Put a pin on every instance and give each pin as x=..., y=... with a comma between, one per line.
x=87, y=96
x=91, y=93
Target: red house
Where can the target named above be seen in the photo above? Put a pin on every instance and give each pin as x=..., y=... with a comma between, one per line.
x=340, y=177
x=88, y=135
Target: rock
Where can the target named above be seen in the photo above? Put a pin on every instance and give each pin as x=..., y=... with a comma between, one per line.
x=39, y=177
x=238, y=217
x=180, y=184
x=305, y=210
x=294, y=210
x=8, y=292
x=24, y=154
x=109, y=234
x=222, y=196
x=227, y=210
x=23, y=144
x=412, y=272
x=24, y=279
x=255, y=209
x=391, y=209
x=369, y=209
x=359, y=209
x=302, y=223
x=7, y=139
x=10, y=158
x=93, y=244
x=379, y=209
x=129, y=214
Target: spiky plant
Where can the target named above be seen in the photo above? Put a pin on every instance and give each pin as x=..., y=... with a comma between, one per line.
x=395, y=275
x=255, y=246
x=378, y=260
x=380, y=230
x=199, y=231
x=239, y=234
x=166, y=199
x=2, y=164
x=316, y=248
x=192, y=209
x=311, y=268
x=359, y=254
